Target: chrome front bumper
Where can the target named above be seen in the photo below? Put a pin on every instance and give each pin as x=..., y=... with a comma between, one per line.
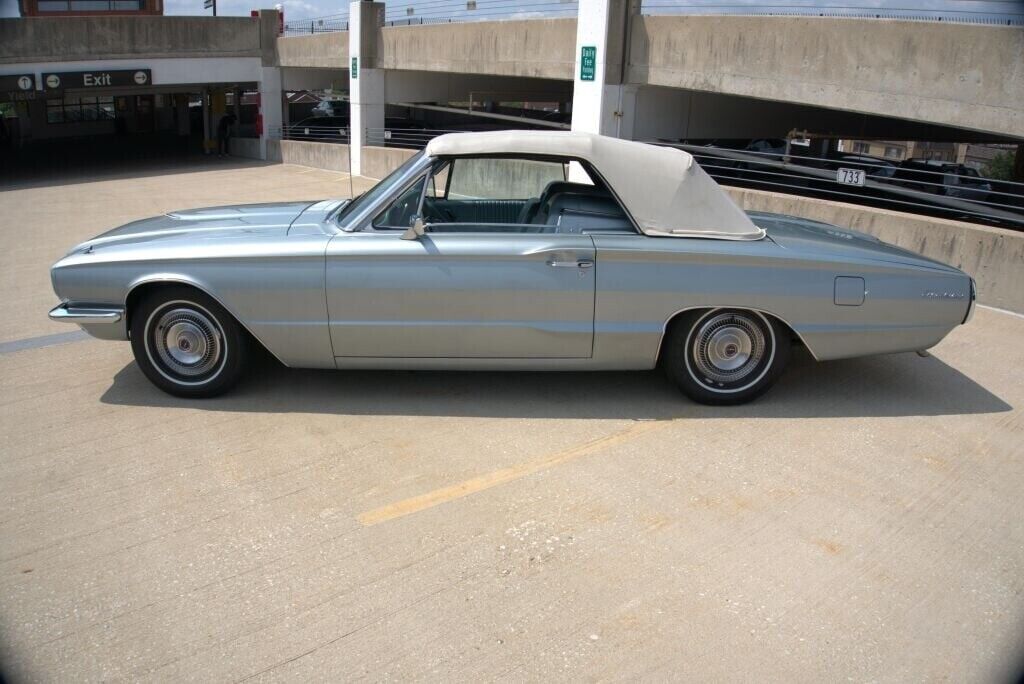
x=86, y=315
x=102, y=322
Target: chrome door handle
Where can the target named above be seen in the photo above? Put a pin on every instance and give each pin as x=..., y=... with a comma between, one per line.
x=582, y=263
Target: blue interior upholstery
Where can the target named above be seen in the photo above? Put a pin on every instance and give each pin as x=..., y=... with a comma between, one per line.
x=563, y=207
x=529, y=212
x=479, y=211
x=570, y=212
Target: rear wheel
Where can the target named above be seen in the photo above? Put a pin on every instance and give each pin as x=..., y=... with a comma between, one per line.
x=186, y=343
x=725, y=356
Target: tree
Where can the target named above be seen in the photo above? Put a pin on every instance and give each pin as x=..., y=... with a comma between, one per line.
x=1000, y=167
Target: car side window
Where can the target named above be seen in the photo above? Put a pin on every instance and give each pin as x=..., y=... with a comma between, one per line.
x=499, y=178
x=438, y=184
x=400, y=214
x=518, y=195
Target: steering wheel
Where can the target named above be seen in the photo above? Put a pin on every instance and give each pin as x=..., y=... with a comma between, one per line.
x=400, y=213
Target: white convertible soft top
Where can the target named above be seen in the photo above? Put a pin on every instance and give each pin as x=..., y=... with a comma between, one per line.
x=665, y=191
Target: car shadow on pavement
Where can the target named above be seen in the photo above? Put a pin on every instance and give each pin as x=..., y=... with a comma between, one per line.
x=884, y=386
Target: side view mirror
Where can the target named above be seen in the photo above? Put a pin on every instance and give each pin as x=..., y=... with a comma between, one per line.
x=417, y=230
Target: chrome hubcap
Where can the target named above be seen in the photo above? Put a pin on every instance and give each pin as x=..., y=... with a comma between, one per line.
x=727, y=348
x=187, y=342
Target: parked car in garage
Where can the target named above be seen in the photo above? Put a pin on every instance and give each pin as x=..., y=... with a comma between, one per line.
x=330, y=108
x=336, y=129
x=769, y=148
x=770, y=175
x=942, y=178
x=511, y=250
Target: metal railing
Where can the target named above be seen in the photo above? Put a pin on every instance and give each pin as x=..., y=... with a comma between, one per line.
x=993, y=12
x=858, y=179
x=328, y=24
x=405, y=12
x=409, y=138
x=417, y=12
x=325, y=134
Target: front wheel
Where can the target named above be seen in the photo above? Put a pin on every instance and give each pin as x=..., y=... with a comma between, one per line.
x=725, y=356
x=186, y=343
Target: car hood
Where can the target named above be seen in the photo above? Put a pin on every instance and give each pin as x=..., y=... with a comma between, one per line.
x=210, y=223
x=814, y=237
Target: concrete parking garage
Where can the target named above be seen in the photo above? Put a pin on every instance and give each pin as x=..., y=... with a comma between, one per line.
x=860, y=521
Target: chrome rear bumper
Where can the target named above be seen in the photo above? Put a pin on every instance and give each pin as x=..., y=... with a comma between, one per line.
x=973, y=303
x=86, y=315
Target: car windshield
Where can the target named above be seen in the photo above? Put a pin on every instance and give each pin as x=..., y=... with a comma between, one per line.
x=379, y=190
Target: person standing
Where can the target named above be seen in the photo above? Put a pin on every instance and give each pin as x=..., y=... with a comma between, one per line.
x=224, y=133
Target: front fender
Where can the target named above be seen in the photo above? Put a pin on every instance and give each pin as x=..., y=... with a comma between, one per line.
x=276, y=292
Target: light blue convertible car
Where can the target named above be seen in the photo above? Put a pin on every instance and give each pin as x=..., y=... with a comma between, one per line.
x=509, y=250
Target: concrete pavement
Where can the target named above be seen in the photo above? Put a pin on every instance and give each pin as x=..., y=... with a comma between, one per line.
x=860, y=521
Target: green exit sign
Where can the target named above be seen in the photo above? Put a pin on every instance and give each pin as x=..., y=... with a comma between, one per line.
x=588, y=62
x=354, y=71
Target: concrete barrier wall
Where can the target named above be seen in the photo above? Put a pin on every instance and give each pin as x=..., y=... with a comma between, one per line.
x=969, y=76
x=540, y=48
x=46, y=39
x=321, y=50
x=378, y=162
x=318, y=155
x=993, y=256
x=245, y=147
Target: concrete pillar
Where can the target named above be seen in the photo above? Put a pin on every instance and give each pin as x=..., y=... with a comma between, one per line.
x=270, y=105
x=271, y=97
x=602, y=103
x=366, y=83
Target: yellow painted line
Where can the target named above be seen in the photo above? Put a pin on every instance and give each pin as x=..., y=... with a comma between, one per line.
x=498, y=477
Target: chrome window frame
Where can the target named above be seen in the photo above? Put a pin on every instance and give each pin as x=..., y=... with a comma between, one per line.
x=363, y=221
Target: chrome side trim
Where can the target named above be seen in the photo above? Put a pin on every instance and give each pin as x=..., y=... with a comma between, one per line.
x=86, y=314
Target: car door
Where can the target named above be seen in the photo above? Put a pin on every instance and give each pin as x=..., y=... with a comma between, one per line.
x=461, y=295
x=476, y=285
